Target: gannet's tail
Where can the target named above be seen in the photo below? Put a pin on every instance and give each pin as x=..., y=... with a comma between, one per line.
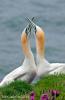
x=57, y=68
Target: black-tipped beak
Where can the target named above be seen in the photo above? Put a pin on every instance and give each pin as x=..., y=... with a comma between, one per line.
x=28, y=30
x=32, y=24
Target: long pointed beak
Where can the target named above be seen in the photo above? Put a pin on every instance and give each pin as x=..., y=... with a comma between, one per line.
x=28, y=29
x=30, y=26
x=31, y=22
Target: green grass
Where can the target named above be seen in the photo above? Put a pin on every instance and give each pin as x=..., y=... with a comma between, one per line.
x=51, y=82
x=15, y=90
x=19, y=88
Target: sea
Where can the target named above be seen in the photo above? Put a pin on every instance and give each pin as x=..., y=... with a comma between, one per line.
x=50, y=16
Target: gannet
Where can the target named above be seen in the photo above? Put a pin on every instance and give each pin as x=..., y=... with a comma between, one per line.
x=27, y=71
x=43, y=66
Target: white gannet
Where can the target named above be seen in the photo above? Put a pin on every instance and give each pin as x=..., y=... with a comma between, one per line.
x=27, y=71
x=43, y=66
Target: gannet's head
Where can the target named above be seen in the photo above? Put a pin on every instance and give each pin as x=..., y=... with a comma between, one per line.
x=40, y=38
x=26, y=33
x=25, y=41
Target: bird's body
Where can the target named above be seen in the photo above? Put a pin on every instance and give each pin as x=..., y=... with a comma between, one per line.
x=57, y=68
x=24, y=72
x=27, y=71
x=44, y=67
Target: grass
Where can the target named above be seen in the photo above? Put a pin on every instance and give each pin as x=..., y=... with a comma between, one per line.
x=15, y=90
x=49, y=82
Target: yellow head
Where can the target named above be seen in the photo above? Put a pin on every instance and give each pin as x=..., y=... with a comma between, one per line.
x=40, y=41
x=24, y=44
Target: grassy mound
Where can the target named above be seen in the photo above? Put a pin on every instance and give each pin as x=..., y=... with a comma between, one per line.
x=49, y=82
x=15, y=89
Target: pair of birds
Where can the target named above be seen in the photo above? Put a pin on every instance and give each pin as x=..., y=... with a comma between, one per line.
x=29, y=70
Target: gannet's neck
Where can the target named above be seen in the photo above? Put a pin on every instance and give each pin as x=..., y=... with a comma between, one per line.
x=40, y=42
x=26, y=48
x=24, y=44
